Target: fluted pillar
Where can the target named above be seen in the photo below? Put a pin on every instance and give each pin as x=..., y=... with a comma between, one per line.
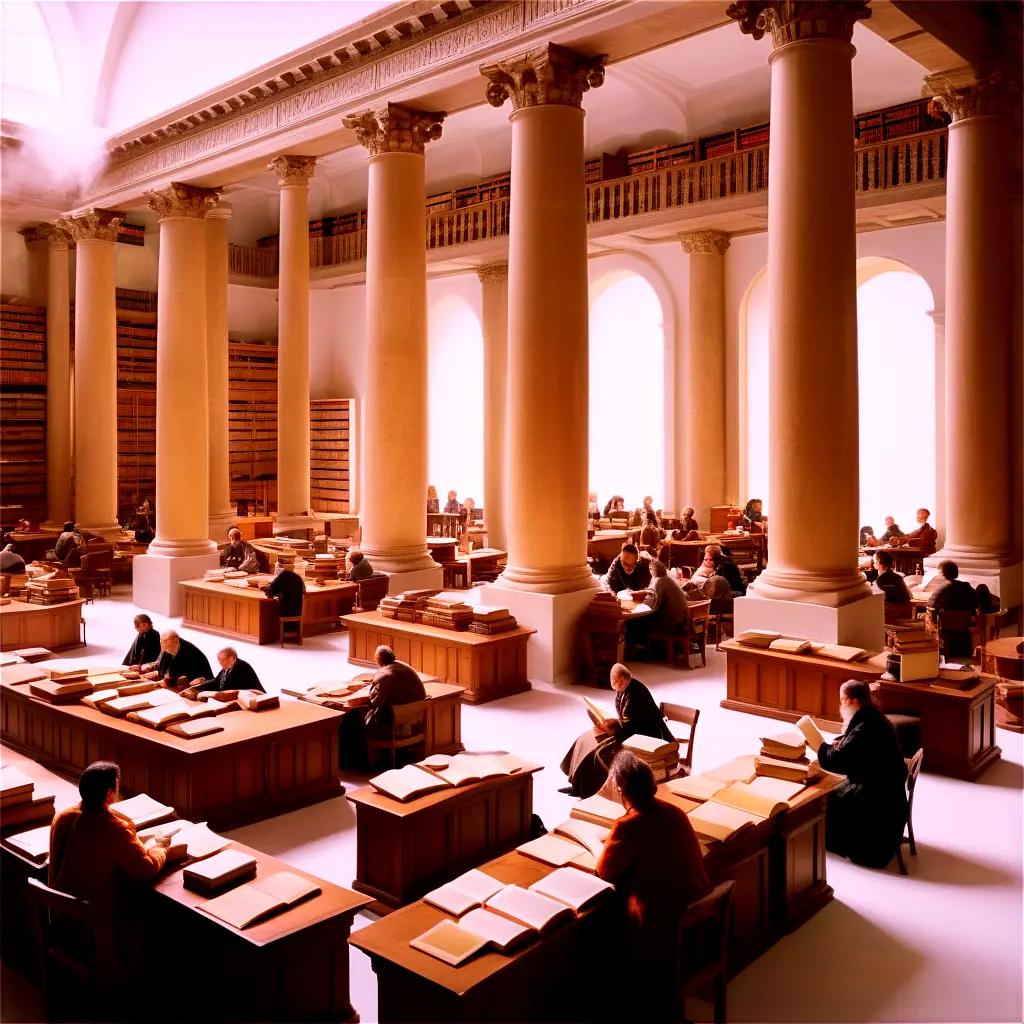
x=294, y=174
x=700, y=378
x=95, y=444
x=222, y=515
x=392, y=514
x=813, y=413
x=52, y=244
x=182, y=548
x=982, y=479
x=494, y=317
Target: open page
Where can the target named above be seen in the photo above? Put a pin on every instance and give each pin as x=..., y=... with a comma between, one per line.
x=530, y=908
x=143, y=810
x=598, y=809
x=287, y=887
x=718, y=821
x=550, y=849
x=408, y=782
x=242, y=906
x=449, y=942
x=695, y=787
x=470, y=890
x=500, y=932
x=588, y=834
x=742, y=797
x=810, y=732
x=575, y=889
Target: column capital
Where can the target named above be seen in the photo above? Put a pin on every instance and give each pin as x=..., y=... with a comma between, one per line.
x=91, y=225
x=395, y=129
x=548, y=74
x=792, y=21
x=704, y=243
x=178, y=200
x=492, y=272
x=219, y=213
x=293, y=171
x=964, y=92
x=44, y=236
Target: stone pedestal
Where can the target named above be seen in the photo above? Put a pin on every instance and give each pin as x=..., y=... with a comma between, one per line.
x=155, y=580
x=857, y=624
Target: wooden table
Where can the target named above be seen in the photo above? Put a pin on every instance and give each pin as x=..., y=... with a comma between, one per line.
x=54, y=626
x=404, y=850
x=263, y=763
x=957, y=726
x=252, y=527
x=603, y=642
x=489, y=667
x=779, y=868
x=907, y=561
x=606, y=544
x=32, y=545
x=248, y=614
x=480, y=560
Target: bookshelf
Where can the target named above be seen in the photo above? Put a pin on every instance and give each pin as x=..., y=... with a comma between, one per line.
x=252, y=422
x=330, y=445
x=136, y=447
x=23, y=411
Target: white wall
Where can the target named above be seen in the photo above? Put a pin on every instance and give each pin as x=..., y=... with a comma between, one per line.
x=252, y=312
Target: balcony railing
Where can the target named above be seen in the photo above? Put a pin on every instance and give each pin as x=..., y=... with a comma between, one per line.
x=898, y=163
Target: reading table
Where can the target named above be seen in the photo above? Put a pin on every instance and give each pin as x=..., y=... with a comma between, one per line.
x=55, y=626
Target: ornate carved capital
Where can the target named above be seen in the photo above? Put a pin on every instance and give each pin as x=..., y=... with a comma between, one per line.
x=92, y=225
x=293, y=170
x=492, y=272
x=219, y=212
x=705, y=243
x=791, y=21
x=548, y=74
x=179, y=200
x=45, y=236
x=395, y=129
x=963, y=93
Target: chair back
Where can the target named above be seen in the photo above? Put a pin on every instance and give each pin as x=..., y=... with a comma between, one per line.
x=98, y=561
x=64, y=933
x=704, y=932
x=412, y=715
x=372, y=591
x=685, y=716
x=913, y=771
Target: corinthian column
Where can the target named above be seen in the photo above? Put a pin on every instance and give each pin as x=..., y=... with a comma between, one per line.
x=94, y=233
x=222, y=515
x=393, y=516
x=182, y=549
x=53, y=245
x=700, y=378
x=982, y=473
x=294, y=174
x=494, y=316
x=812, y=584
x=547, y=347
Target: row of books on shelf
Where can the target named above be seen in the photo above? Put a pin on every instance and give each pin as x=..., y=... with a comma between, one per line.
x=443, y=771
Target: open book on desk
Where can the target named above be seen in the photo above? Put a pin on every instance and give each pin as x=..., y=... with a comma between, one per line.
x=194, y=728
x=466, y=768
x=599, y=810
x=408, y=783
x=142, y=810
x=601, y=716
x=587, y=834
x=556, y=851
x=254, y=901
x=462, y=894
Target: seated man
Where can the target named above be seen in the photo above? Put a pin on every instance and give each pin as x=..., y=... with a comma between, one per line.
x=180, y=663
x=868, y=812
x=687, y=523
x=888, y=581
x=953, y=595
x=93, y=851
x=145, y=648
x=628, y=571
x=924, y=538
x=729, y=570
x=453, y=507
x=234, y=675
x=588, y=760
x=359, y=567
x=753, y=514
x=69, y=539
x=648, y=514
x=665, y=598
x=892, y=531
x=393, y=683
x=289, y=590
x=239, y=554
x=11, y=561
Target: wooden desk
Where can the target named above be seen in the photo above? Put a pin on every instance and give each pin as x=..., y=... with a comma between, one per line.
x=907, y=561
x=480, y=560
x=489, y=667
x=603, y=642
x=248, y=614
x=779, y=868
x=957, y=726
x=404, y=850
x=263, y=763
x=33, y=545
x=252, y=527
x=55, y=626
x=606, y=544
x=442, y=549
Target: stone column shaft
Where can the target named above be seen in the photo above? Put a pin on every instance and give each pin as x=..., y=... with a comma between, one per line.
x=494, y=310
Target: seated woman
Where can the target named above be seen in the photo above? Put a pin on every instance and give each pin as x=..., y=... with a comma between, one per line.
x=753, y=515
x=892, y=531
x=867, y=537
x=239, y=554
x=868, y=812
x=433, y=502
x=589, y=758
x=726, y=567
x=648, y=514
x=616, y=503
x=653, y=858
x=707, y=581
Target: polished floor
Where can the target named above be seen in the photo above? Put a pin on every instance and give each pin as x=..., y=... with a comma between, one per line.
x=944, y=944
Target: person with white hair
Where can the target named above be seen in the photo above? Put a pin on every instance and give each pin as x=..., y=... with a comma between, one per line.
x=11, y=561
x=234, y=675
x=239, y=554
x=180, y=664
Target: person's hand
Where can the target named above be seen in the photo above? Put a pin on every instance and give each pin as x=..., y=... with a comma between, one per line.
x=195, y=682
x=190, y=693
x=149, y=675
x=176, y=852
x=225, y=695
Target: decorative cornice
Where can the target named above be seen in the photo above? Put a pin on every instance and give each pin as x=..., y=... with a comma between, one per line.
x=45, y=236
x=293, y=171
x=963, y=93
x=178, y=200
x=547, y=74
x=91, y=225
x=704, y=243
x=792, y=21
x=395, y=129
x=492, y=272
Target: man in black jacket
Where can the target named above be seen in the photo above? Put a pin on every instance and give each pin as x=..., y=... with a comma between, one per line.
x=868, y=812
x=394, y=683
x=180, y=663
x=628, y=571
x=288, y=588
x=145, y=650
x=234, y=675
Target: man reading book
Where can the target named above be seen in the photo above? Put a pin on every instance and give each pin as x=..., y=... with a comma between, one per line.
x=180, y=663
x=654, y=859
x=868, y=812
x=588, y=760
x=393, y=683
x=145, y=649
x=234, y=675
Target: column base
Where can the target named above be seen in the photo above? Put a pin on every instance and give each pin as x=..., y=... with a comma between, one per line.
x=551, y=652
x=418, y=579
x=562, y=579
x=219, y=523
x=1002, y=576
x=410, y=559
x=830, y=589
x=857, y=624
x=155, y=579
x=108, y=531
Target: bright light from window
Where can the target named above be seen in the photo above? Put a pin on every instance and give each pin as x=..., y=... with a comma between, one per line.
x=627, y=401
x=757, y=395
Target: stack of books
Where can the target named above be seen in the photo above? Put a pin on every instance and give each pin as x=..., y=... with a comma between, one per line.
x=918, y=651
x=398, y=607
x=20, y=802
x=51, y=588
x=64, y=687
x=661, y=755
x=447, y=613
x=785, y=746
x=488, y=621
x=324, y=568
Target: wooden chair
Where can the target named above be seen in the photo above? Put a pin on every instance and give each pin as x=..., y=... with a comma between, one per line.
x=372, y=591
x=720, y=612
x=291, y=624
x=954, y=624
x=412, y=715
x=705, y=928
x=685, y=716
x=913, y=770
x=65, y=945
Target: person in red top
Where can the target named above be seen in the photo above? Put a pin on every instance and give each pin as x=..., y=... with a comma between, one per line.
x=655, y=862
x=924, y=538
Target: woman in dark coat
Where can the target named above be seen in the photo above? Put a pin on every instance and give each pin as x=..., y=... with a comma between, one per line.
x=590, y=757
